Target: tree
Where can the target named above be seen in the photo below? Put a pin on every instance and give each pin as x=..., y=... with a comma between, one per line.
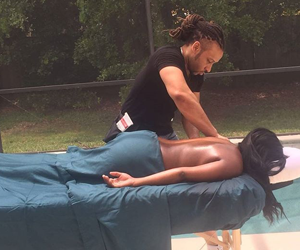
x=114, y=37
x=37, y=38
x=54, y=41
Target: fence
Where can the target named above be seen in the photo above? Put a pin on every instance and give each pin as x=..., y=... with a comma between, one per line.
x=130, y=81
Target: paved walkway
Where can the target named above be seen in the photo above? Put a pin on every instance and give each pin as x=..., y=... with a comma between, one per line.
x=274, y=241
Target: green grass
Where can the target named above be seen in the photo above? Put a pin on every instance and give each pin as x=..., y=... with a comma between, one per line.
x=234, y=113
x=56, y=131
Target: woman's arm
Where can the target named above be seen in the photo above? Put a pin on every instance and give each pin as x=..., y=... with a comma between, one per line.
x=213, y=171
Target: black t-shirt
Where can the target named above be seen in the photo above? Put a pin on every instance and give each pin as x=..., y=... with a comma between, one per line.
x=149, y=104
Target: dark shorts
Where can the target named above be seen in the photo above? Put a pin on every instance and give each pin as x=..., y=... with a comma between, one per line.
x=114, y=131
x=170, y=136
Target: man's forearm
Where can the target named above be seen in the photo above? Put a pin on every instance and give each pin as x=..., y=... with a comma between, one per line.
x=191, y=131
x=191, y=109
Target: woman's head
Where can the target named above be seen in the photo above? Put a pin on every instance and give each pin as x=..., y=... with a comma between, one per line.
x=263, y=156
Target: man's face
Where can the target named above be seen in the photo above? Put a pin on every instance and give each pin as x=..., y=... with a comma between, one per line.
x=202, y=58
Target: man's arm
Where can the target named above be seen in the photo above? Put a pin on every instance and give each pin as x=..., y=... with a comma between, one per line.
x=186, y=101
x=191, y=131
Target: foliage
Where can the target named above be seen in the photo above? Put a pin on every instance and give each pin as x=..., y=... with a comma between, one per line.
x=114, y=36
x=37, y=37
x=58, y=100
x=231, y=15
x=54, y=41
x=124, y=91
x=121, y=71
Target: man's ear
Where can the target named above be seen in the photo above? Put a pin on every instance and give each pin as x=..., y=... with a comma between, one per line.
x=196, y=47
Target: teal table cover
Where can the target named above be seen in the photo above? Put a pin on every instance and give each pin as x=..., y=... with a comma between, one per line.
x=59, y=202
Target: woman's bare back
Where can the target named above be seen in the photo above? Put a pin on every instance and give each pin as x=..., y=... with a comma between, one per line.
x=193, y=160
x=196, y=152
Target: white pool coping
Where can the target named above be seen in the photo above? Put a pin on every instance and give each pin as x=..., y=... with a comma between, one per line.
x=272, y=241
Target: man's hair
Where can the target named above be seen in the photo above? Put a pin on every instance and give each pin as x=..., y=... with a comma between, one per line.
x=195, y=28
x=263, y=156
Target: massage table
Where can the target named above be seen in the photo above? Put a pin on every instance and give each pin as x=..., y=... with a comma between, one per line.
x=285, y=178
x=46, y=204
x=43, y=207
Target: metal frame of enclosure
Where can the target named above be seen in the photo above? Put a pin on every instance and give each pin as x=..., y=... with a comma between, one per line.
x=129, y=81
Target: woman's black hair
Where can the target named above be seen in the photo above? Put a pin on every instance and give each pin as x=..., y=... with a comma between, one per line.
x=263, y=156
x=194, y=28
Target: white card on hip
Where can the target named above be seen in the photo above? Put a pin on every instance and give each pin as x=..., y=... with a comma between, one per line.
x=124, y=123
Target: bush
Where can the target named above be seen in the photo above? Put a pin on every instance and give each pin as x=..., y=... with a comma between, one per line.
x=66, y=99
x=124, y=91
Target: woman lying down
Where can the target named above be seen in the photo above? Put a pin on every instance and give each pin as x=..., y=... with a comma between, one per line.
x=154, y=161
x=260, y=155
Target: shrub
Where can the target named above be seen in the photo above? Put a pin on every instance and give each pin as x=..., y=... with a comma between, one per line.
x=66, y=99
x=124, y=91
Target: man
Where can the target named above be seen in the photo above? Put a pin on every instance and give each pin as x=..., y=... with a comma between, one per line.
x=172, y=80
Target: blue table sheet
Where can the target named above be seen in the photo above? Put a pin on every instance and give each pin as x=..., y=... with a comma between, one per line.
x=43, y=206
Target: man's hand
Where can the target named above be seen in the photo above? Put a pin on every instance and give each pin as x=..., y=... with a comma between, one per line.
x=222, y=137
x=121, y=180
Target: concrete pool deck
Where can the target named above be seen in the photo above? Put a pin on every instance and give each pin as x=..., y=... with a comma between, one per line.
x=272, y=241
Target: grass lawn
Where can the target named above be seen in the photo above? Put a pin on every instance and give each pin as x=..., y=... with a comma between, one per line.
x=24, y=132
x=234, y=112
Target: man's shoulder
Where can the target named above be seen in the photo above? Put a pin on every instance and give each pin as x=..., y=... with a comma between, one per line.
x=168, y=56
